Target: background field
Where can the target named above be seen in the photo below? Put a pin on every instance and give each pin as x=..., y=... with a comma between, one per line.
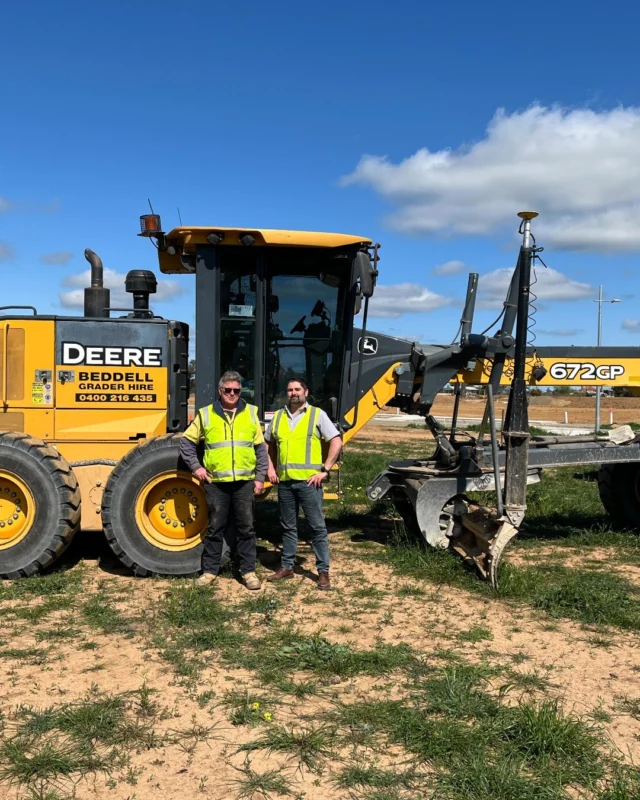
x=411, y=679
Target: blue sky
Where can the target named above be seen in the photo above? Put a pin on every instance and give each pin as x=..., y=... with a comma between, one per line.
x=370, y=118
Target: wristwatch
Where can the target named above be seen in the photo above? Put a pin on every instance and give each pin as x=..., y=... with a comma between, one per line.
x=324, y=469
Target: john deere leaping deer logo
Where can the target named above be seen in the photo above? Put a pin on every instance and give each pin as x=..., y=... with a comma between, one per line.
x=368, y=347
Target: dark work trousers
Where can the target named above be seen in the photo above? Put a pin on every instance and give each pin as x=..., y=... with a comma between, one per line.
x=223, y=498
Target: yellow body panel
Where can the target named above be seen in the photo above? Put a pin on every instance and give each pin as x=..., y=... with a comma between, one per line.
x=372, y=401
x=184, y=240
x=566, y=371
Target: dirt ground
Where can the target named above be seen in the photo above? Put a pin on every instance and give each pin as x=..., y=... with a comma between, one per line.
x=197, y=752
x=578, y=409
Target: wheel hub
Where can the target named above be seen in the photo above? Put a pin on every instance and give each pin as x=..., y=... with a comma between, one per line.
x=171, y=511
x=17, y=509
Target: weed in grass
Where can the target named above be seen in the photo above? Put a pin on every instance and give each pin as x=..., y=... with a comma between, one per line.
x=55, y=583
x=58, y=634
x=298, y=689
x=254, y=784
x=189, y=738
x=88, y=645
x=407, y=590
x=293, y=652
x=552, y=742
x=35, y=656
x=629, y=705
x=309, y=746
x=359, y=777
x=600, y=641
x=459, y=692
x=100, y=614
x=480, y=779
x=38, y=612
x=526, y=681
x=45, y=750
x=247, y=708
x=477, y=633
x=596, y=598
x=204, y=698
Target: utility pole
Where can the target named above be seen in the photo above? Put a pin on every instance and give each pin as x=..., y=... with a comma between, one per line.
x=600, y=301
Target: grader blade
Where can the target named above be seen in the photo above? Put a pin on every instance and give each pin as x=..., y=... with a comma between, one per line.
x=482, y=542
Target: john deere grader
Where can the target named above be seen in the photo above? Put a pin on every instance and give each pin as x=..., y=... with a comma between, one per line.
x=92, y=407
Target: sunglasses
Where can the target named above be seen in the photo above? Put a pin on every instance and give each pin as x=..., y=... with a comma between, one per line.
x=231, y=391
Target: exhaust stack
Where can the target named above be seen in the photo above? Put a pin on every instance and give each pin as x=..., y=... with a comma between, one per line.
x=96, y=297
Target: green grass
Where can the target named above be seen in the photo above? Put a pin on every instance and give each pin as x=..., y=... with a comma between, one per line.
x=261, y=784
x=307, y=746
x=46, y=750
x=100, y=613
x=477, y=633
x=286, y=651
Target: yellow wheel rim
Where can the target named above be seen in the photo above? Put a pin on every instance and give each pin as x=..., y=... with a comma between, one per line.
x=171, y=511
x=17, y=509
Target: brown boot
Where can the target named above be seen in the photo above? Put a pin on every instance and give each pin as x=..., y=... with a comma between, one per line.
x=280, y=574
x=324, y=584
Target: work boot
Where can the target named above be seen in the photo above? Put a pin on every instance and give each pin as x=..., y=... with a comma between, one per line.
x=324, y=584
x=280, y=574
x=251, y=580
x=206, y=579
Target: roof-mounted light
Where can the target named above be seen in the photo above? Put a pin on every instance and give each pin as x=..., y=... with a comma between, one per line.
x=150, y=225
x=216, y=237
x=247, y=239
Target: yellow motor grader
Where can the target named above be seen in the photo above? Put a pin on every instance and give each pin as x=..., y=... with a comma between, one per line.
x=92, y=407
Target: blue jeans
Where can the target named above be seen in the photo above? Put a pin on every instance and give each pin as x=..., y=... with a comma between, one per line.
x=292, y=495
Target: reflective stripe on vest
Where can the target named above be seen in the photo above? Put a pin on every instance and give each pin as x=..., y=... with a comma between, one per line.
x=300, y=449
x=229, y=454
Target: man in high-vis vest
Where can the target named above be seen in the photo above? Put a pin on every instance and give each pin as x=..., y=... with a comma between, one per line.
x=233, y=470
x=294, y=437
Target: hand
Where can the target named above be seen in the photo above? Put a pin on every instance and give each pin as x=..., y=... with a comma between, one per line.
x=202, y=475
x=318, y=479
x=258, y=487
x=273, y=476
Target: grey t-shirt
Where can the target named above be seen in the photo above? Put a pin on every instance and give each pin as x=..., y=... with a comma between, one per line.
x=325, y=428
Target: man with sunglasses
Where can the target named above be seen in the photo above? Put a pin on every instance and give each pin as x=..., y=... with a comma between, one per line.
x=233, y=469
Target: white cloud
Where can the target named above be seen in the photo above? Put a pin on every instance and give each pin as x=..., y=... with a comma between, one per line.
x=61, y=257
x=560, y=331
x=5, y=205
x=549, y=285
x=579, y=168
x=449, y=268
x=404, y=298
x=632, y=325
x=74, y=298
x=7, y=253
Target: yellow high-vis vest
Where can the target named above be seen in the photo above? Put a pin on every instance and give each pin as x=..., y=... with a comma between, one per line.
x=300, y=449
x=229, y=453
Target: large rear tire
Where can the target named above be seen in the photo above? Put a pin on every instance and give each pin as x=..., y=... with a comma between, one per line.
x=39, y=505
x=619, y=487
x=154, y=511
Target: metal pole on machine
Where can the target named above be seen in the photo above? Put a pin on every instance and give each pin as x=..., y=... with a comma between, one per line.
x=516, y=427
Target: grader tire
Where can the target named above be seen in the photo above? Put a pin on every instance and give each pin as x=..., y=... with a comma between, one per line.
x=39, y=505
x=619, y=488
x=154, y=512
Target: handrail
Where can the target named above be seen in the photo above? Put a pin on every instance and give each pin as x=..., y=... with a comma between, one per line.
x=5, y=367
x=31, y=308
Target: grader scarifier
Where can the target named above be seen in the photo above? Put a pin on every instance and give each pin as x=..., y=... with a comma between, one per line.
x=92, y=407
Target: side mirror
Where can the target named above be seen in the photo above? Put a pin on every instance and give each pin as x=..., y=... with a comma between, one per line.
x=366, y=273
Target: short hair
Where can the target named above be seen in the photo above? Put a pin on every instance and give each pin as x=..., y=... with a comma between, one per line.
x=300, y=381
x=230, y=377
